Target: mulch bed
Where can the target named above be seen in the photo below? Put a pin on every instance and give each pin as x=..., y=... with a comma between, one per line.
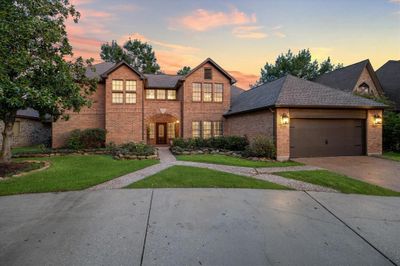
x=13, y=168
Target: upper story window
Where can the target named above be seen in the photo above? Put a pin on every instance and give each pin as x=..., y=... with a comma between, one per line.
x=130, y=85
x=218, y=92
x=171, y=94
x=207, y=73
x=150, y=94
x=160, y=94
x=117, y=85
x=196, y=92
x=364, y=88
x=117, y=91
x=207, y=92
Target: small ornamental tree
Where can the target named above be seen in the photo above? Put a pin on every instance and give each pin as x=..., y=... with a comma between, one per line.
x=36, y=69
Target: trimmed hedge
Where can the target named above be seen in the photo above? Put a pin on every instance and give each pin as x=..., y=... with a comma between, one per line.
x=91, y=138
x=261, y=146
x=131, y=148
x=232, y=143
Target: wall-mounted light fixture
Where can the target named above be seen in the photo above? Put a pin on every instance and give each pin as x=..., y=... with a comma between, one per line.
x=177, y=121
x=284, y=119
x=377, y=120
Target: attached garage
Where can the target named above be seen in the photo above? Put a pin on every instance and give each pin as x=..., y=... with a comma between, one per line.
x=310, y=119
x=327, y=137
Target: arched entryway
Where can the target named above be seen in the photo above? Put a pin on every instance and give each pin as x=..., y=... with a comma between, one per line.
x=161, y=129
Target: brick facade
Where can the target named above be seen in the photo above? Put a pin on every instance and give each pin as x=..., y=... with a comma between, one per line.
x=282, y=134
x=130, y=122
x=374, y=133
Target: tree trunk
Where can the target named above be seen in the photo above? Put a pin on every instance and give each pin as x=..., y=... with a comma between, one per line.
x=5, y=155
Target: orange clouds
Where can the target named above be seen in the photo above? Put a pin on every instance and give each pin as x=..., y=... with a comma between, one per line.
x=244, y=80
x=202, y=20
x=249, y=32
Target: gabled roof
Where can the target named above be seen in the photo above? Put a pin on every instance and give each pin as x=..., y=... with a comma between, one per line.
x=117, y=65
x=291, y=91
x=235, y=92
x=99, y=69
x=162, y=80
x=346, y=78
x=209, y=60
x=389, y=77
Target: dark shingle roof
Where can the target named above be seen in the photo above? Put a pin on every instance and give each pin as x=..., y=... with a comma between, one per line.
x=162, y=80
x=212, y=62
x=389, y=77
x=100, y=69
x=344, y=78
x=235, y=91
x=291, y=91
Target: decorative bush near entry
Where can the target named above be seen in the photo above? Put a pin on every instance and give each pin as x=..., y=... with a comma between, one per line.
x=87, y=139
x=132, y=149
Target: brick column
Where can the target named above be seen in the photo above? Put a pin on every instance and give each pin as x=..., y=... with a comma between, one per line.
x=374, y=133
x=282, y=135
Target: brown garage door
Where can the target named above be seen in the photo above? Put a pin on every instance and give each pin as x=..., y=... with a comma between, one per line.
x=326, y=137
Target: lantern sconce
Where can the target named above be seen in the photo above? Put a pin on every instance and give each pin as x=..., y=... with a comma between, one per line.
x=284, y=119
x=377, y=120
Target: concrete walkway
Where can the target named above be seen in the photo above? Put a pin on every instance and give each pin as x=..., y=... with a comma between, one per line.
x=199, y=227
x=167, y=160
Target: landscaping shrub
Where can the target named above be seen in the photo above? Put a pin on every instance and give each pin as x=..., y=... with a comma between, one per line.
x=91, y=138
x=233, y=143
x=261, y=146
x=141, y=149
x=391, y=131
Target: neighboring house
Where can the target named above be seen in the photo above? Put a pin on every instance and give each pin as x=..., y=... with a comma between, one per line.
x=359, y=78
x=132, y=106
x=303, y=117
x=389, y=77
x=29, y=129
x=308, y=119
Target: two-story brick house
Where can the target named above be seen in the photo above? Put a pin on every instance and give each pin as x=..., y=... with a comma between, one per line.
x=153, y=108
x=304, y=118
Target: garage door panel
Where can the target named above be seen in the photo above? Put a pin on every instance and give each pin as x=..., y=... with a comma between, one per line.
x=326, y=137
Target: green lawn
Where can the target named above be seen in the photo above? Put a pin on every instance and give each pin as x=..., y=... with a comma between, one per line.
x=392, y=155
x=193, y=177
x=72, y=172
x=229, y=160
x=339, y=182
x=29, y=149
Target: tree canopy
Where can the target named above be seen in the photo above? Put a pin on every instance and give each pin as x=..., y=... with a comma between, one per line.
x=184, y=70
x=300, y=65
x=139, y=55
x=36, y=67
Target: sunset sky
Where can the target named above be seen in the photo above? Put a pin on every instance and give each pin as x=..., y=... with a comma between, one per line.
x=242, y=36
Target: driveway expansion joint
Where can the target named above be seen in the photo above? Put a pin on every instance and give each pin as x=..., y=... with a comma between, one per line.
x=147, y=228
x=349, y=227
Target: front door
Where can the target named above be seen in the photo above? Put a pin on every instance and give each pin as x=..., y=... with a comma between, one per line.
x=161, y=131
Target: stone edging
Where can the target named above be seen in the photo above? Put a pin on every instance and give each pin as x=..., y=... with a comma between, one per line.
x=47, y=164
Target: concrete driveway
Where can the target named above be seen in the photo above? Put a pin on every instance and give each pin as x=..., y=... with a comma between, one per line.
x=381, y=172
x=199, y=227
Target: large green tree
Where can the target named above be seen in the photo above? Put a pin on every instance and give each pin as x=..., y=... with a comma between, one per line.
x=36, y=69
x=184, y=70
x=300, y=65
x=139, y=55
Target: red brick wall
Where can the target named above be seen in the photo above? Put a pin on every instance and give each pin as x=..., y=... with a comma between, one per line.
x=374, y=133
x=204, y=111
x=251, y=124
x=282, y=135
x=92, y=117
x=123, y=122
